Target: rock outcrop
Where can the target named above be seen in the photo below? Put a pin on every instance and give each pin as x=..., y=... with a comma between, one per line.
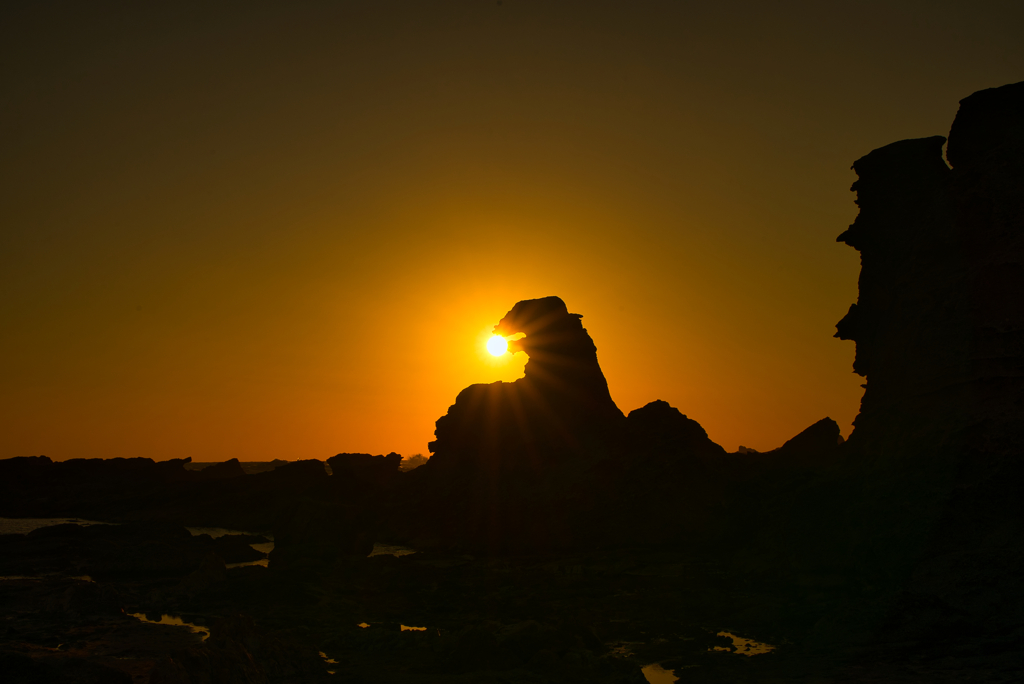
x=559, y=410
x=549, y=461
x=939, y=327
x=221, y=471
x=365, y=469
x=661, y=427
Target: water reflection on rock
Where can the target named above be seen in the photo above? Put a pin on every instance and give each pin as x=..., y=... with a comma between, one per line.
x=656, y=674
x=329, y=661
x=231, y=545
x=391, y=550
x=176, y=621
x=747, y=647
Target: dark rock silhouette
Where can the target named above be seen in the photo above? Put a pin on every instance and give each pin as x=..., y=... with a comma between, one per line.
x=337, y=518
x=22, y=669
x=238, y=652
x=559, y=409
x=221, y=471
x=506, y=453
x=817, y=445
x=365, y=469
x=661, y=426
x=316, y=535
x=413, y=462
x=939, y=327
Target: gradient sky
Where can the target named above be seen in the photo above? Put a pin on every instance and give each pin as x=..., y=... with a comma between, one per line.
x=282, y=230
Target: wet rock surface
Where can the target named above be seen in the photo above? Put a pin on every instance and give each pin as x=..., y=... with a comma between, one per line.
x=558, y=540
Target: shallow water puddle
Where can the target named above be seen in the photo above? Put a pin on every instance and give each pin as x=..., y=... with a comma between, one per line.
x=747, y=647
x=402, y=628
x=330, y=661
x=263, y=562
x=176, y=621
x=656, y=674
x=624, y=648
x=390, y=550
x=263, y=547
x=215, y=532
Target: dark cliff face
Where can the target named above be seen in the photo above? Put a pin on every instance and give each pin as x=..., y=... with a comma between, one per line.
x=939, y=322
x=939, y=327
x=908, y=323
x=560, y=408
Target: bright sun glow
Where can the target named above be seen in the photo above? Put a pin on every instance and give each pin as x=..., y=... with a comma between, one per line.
x=497, y=345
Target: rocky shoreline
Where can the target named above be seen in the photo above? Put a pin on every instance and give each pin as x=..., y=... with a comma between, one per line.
x=558, y=540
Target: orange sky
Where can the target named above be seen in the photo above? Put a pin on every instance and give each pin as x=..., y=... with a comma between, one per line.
x=280, y=230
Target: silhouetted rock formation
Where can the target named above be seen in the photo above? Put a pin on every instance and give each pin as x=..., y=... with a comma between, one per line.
x=221, y=471
x=365, y=469
x=336, y=519
x=559, y=409
x=507, y=453
x=27, y=480
x=939, y=319
x=910, y=260
x=660, y=426
x=817, y=445
x=549, y=462
x=563, y=358
x=939, y=327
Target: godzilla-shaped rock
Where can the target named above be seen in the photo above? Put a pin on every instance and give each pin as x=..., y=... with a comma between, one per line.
x=558, y=410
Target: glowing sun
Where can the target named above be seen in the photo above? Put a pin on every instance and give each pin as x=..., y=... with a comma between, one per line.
x=497, y=345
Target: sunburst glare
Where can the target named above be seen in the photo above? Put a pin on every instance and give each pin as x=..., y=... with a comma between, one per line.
x=497, y=345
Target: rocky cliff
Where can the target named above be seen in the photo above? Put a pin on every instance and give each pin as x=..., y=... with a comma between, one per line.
x=939, y=327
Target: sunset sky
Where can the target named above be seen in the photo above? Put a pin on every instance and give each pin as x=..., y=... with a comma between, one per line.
x=264, y=230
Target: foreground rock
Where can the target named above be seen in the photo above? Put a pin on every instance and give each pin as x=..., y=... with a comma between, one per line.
x=939, y=327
